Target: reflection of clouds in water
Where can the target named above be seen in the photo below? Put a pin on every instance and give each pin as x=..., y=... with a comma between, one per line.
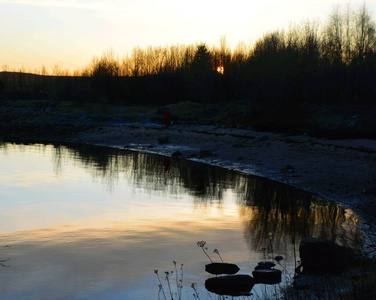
x=32, y=178
x=119, y=257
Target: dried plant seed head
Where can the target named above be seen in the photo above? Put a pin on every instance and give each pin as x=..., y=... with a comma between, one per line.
x=201, y=244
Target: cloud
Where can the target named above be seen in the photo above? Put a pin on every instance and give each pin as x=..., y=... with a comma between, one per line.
x=56, y=3
x=29, y=179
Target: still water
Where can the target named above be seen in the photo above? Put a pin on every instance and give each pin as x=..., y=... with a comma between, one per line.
x=83, y=222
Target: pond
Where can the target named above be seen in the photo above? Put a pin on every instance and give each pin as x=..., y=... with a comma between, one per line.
x=85, y=222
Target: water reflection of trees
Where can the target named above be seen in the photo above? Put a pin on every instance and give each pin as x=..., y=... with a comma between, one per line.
x=151, y=172
x=268, y=209
x=277, y=212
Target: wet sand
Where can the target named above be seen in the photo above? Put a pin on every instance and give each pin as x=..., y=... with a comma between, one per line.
x=339, y=170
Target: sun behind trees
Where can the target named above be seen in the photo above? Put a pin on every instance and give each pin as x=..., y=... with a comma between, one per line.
x=308, y=63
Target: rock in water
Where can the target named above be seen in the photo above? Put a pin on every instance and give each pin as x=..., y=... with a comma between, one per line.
x=267, y=276
x=265, y=265
x=323, y=256
x=236, y=285
x=221, y=268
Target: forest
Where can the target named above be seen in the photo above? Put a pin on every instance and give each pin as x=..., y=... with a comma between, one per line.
x=331, y=63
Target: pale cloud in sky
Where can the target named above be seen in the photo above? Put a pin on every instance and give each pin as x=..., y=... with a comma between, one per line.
x=70, y=32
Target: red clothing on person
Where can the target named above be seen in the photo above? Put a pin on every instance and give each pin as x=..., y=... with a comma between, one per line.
x=167, y=114
x=167, y=117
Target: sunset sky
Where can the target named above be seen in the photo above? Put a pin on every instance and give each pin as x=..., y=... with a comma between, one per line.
x=71, y=32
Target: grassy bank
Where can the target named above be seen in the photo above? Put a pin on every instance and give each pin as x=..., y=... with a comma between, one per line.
x=47, y=118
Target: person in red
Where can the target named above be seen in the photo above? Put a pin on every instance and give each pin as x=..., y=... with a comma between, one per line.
x=167, y=117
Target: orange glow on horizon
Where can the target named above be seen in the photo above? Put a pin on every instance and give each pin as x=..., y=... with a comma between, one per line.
x=221, y=69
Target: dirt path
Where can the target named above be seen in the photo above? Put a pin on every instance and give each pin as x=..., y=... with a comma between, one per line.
x=340, y=170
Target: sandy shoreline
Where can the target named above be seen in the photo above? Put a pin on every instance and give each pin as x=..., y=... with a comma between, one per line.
x=339, y=170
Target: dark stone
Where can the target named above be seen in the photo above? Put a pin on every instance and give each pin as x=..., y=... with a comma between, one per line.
x=205, y=153
x=323, y=256
x=163, y=140
x=237, y=285
x=267, y=276
x=221, y=268
x=176, y=154
x=265, y=265
x=287, y=169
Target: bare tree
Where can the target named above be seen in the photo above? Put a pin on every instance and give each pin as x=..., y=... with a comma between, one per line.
x=332, y=44
x=347, y=23
x=106, y=66
x=365, y=38
x=240, y=54
x=44, y=71
x=5, y=68
x=225, y=52
x=56, y=70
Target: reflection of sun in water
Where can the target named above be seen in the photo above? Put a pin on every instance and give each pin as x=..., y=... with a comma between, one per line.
x=221, y=69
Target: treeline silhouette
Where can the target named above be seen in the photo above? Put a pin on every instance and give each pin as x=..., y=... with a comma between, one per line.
x=334, y=63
